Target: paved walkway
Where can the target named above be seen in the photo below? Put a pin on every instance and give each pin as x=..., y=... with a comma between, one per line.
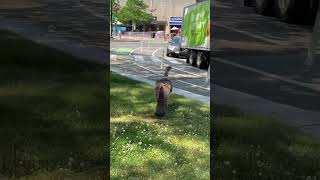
x=187, y=80
x=137, y=38
x=305, y=120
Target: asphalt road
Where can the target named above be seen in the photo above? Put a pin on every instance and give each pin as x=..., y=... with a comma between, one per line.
x=147, y=64
x=82, y=21
x=262, y=56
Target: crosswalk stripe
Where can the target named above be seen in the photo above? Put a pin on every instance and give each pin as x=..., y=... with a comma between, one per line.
x=155, y=59
x=139, y=58
x=173, y=61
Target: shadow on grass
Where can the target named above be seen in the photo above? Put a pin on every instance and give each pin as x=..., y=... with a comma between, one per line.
x=257, y=148
x=53, y=110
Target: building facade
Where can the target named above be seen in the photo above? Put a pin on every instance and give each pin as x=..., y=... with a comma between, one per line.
x=167, y=13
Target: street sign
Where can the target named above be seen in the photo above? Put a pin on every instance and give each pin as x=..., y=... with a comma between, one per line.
x=174, y=20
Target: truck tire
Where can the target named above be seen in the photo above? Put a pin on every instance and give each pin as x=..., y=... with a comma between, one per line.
x=264, y=7
x=192, y=58
x=187, y=55
x=201, y=61
x=296, y=11
x=285, y=10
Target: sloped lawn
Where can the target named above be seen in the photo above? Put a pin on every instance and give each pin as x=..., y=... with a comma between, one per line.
x=257, y=148
x=143, y=147
x=53, y=112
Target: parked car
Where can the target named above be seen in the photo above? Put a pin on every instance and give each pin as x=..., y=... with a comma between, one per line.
x=159, y=34
x=174, y=46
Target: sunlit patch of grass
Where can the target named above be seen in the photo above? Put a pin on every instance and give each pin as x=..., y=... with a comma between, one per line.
x=249, y=147
x=143, y=147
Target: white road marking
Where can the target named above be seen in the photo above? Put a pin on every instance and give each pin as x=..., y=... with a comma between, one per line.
x=113, y=57
x=248, y=34
x=155, y=59
x=172, y=60
x=281, y=78
x=155, y=51
x=139, y=59
x=130, y=54
x=91, y=11
x=193, y=85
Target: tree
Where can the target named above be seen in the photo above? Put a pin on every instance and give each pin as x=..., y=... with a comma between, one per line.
x=115, y=8
x=135, y=13
x=313, y=49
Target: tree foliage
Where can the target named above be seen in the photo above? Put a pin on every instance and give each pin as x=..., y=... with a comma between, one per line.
x=135, y=12
x=115, y=5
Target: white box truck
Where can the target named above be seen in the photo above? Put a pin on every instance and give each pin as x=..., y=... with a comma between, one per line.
x=195, y=34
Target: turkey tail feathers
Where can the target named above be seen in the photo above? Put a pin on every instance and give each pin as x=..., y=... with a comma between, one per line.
x=161, y=106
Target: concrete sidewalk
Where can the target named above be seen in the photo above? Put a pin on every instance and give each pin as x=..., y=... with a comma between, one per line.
x=307, y=121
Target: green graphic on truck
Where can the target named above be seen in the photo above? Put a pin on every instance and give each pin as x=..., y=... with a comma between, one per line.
x=196, y=24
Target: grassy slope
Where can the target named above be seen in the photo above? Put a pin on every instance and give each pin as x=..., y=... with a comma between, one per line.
x=53, y=110
x=256, y=148
x=175, y=147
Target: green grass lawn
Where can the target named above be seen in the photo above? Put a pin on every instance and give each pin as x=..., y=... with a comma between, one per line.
x=248, y=148
x=53, y=113
x=142, y=147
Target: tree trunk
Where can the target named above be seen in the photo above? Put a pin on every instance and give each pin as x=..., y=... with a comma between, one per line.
x=134, y=27
x=111, y=20
x=314, y=49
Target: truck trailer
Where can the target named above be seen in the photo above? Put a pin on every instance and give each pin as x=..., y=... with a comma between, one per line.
x=290, y=11
x=195, y=34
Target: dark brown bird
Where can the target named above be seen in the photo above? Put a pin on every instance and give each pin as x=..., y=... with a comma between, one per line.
x=162, y=91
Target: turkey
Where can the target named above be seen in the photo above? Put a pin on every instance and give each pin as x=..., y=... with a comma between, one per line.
x=162, y=91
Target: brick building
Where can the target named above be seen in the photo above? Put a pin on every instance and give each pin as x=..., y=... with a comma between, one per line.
x=168, y=13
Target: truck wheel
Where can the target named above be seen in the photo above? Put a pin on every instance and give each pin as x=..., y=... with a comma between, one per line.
x=201, y=60
x=192, y=58
x=264, y=7
x=284, y=9
x=187, y=58
x=294, y=11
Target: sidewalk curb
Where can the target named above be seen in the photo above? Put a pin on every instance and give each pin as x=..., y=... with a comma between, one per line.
x=203, y=99
x=307, y=121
